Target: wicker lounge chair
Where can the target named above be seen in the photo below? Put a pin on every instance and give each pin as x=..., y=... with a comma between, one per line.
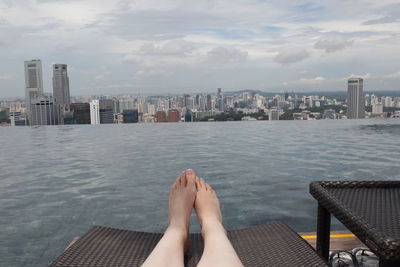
x=273, y=244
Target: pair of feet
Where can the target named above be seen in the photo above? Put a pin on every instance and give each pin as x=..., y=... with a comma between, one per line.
x=188, y=192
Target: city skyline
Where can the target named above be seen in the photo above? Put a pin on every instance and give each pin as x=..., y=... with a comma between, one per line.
x=143, y=47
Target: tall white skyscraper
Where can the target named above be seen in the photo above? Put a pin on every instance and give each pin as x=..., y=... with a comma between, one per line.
x=94, y=112
x=33, y=82
x=355, y=99
x=61, y=85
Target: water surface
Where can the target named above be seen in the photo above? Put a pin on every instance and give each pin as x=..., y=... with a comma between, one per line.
x=56, y=182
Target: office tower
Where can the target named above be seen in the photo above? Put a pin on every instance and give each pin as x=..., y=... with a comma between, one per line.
x=94, y=112
x=33, y=82
x=220, y=100
x=130, y=116
x=44, y=111
x=61, y=85
x=81, y=113
x=208, y=102
x=273, y=115
x=174, y=116
x=355, y=99
x=106, y=111
x=161, y=116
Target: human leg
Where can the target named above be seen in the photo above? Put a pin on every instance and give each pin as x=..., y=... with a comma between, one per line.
x=218, y=250
x=170, y=249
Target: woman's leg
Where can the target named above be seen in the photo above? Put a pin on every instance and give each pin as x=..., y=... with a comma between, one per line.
x=170, y=249
x=218, y=250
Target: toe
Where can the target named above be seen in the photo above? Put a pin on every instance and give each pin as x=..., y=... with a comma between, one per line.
x=208, y=187
x=202, y=184
x=183, y=179
x=190, y=177
x=179, y=181
x=198, y=183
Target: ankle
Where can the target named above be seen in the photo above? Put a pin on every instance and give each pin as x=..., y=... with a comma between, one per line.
x=212, y=226
x=179, y=231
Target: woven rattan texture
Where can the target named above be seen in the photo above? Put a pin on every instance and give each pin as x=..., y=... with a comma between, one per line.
x=272, y=244
x=370, y=209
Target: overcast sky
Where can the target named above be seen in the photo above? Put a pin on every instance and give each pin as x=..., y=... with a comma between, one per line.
x=171, y=46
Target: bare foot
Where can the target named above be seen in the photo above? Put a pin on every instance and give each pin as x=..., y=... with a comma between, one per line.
x=207, y=208
x=181, y=200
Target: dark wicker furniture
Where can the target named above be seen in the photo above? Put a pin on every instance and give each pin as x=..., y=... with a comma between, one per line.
x=370, y=209
x=273, y=244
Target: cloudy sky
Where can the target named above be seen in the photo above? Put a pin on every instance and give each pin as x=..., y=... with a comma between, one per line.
x=171, y=46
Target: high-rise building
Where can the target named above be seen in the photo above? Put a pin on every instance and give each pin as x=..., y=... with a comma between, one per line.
x=160, y=116
x=273, y=115
x=220, y=100
x=106, y=111
x=377, y=108
x=44, y=111
x=81, y=113
x=208, y=102
x=33, y=82
x=130, y=116
x=61, y=85
x=174, y=116
x=355, y=99
x=94, y=112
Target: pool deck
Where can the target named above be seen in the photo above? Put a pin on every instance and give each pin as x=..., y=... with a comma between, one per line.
x=340, y=240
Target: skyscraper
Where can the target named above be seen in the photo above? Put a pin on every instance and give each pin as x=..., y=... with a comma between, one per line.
x=33, y=82
x=106, y=111
x=355, y=99
x=220, y=100
x=208, y=102
x=81, y=113
x=94, y=112
x=61, y=85
x=44, y=111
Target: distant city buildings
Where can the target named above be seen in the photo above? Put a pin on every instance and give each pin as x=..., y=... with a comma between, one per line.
x=41, y=108
x=355, y=99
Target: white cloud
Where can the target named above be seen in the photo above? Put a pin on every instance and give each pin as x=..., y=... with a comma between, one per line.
x=333, y=43
x=151, y=74
x=316, y=80
x=226, y=55
x=290, y=56
x=170, y=48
